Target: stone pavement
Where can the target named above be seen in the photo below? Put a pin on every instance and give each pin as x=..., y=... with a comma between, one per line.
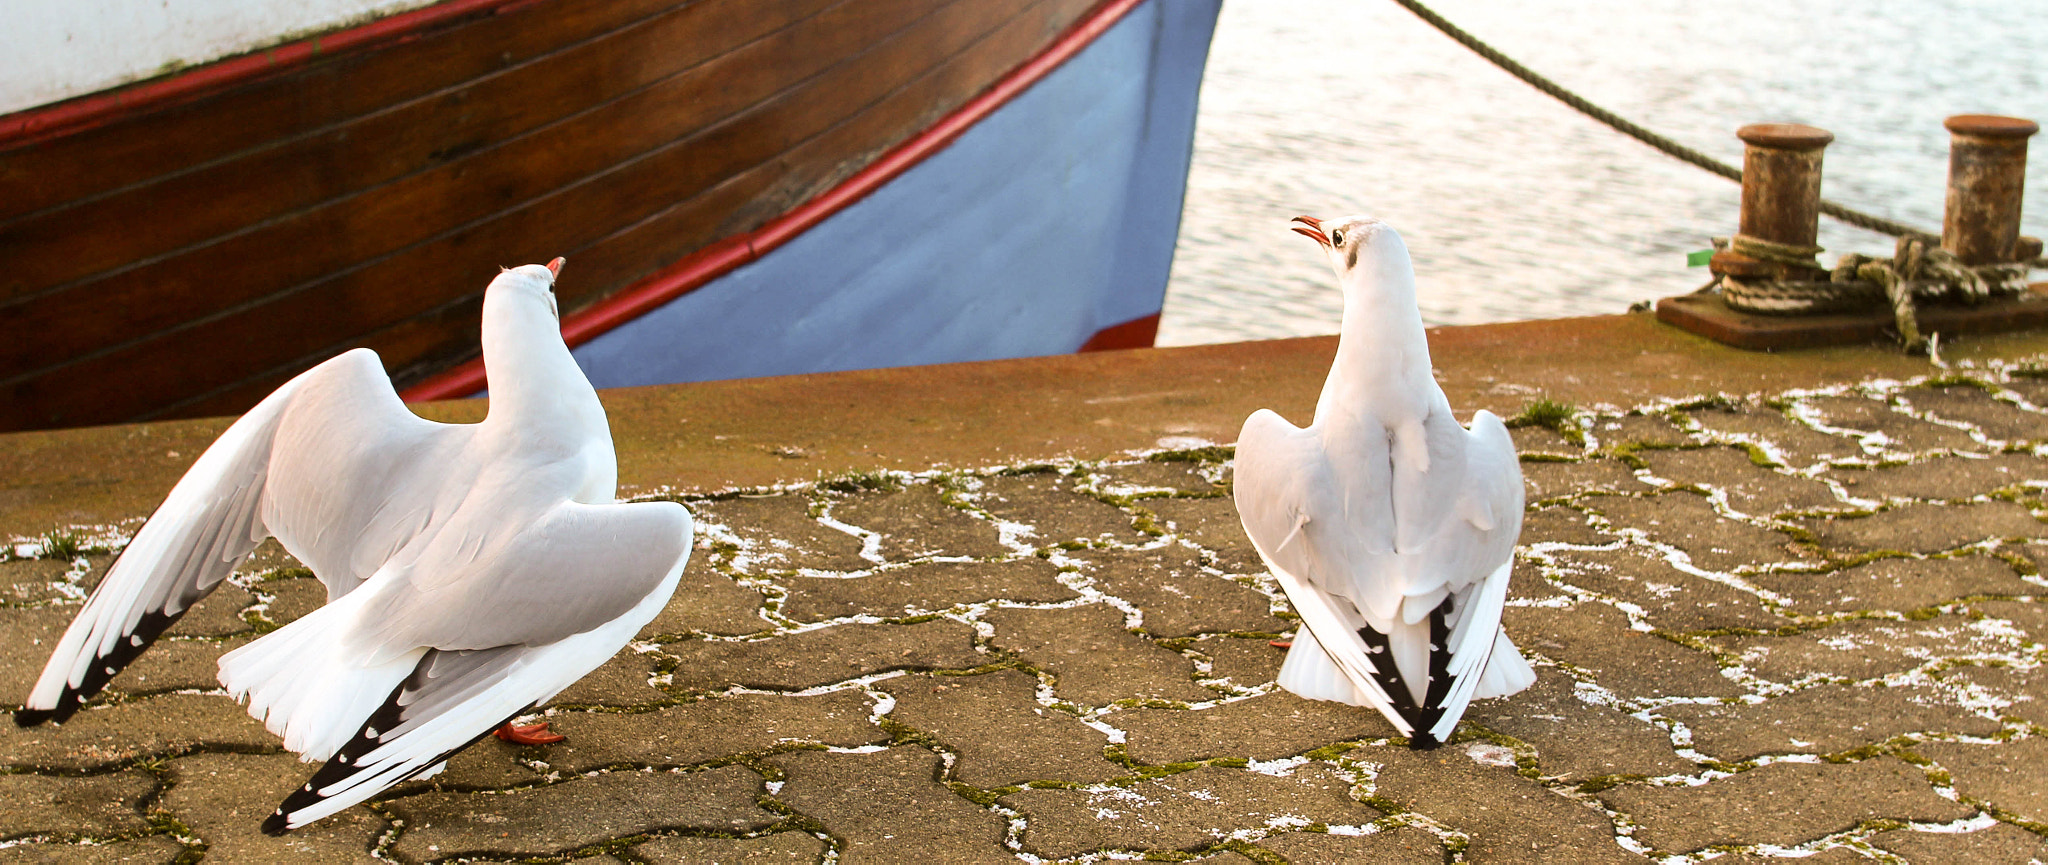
x=1805, y=623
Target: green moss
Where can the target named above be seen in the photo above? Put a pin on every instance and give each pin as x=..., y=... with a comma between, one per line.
x=1210, y=454
x=62, y=545
x=871, y=480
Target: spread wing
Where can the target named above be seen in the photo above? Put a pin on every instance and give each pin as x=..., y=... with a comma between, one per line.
x=456, y=695
x=218, y=512
x=359, y=474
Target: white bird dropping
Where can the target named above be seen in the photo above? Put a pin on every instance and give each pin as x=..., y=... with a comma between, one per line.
x=1391, y=528
x=473, y=571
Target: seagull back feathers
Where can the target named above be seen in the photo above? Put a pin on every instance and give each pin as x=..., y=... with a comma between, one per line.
x=1391, y=527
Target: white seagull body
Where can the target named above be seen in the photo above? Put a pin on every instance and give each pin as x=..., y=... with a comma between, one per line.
x=473, y=571
x=1390, y=527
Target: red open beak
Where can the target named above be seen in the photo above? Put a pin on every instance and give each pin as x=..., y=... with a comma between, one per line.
x=1314, y=228
x=555, y=267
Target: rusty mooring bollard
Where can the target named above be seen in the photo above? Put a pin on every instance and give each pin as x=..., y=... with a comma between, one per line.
x=1987, y=172
x=1780, y=201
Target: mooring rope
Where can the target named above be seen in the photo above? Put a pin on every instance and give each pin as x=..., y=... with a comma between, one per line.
x=1918, y=270
x=1636, y=131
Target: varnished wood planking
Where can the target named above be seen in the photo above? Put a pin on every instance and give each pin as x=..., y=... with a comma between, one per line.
x=769, y=189
x=262, y=113
x=62, y=246
x=352, y=295
x=243, y=267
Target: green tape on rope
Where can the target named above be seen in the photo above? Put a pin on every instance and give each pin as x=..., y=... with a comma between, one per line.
x=1699, y=259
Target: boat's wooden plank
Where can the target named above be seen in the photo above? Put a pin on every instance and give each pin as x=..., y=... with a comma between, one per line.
x=218, y=277
x=208, y=356
x=66, y=244
x=46, y=173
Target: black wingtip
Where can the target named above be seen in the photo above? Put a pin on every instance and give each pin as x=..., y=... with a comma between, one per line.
x=276, y=824
x=32, y=717
x=1422, y=741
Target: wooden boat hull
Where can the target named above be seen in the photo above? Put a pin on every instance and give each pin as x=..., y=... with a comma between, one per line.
x=184, y=254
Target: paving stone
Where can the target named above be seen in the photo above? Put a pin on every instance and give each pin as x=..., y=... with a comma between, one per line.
x=1996, y=418
x=1688, y=522
x=791, y=847
x=882, y=804
x=1927, y=528
x=27, y=636
x=1212, y=524
x=33, y=581
x=1596, y=638
x=694, y=733
x=1178, y=598
x=165, y=724
x=621, y=681
x=1862, y=649
x=293, y=598
x=2002, y=842
x=916, y=522
x=1266, y=727
x=1638, y=429
x=2030, y=616
x=1189, y=811
x=1548, y=480
x=1508, y=818
x=1561, y=525
x=99, y=805
x=2024, y=691
x=486, y=765
x=1671, y=599
x=1001, y=733
x=1905, y=432
x=777, y=533
x=148, y=848
x=1575, y=736
x=1247, y=662
x=1401, y=845
x=176, y=665
x=579, y=812
x=216, y=615
x=1544, y=441
x=1095, y=660
x=1046, y=502
x=2030, y=384
x=1782, y=803
x=824, y=656
x=1154, y=476
x=1530, y=584
x=1823, y=719
x=2007, y=775
x=923, y=588
x=1751, y=489
x=1894, y=584
x=1830, y=856
x=1799, y=444
x=224, y=799
x=1942, y=478
x=707, y=602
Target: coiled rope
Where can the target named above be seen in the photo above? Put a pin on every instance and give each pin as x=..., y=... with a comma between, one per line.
x=1919, y=268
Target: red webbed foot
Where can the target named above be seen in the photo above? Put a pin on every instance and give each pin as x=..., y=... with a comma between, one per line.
x=529, y=734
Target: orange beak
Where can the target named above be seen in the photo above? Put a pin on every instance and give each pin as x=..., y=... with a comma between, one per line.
x=555, y=267
x=1312, y=227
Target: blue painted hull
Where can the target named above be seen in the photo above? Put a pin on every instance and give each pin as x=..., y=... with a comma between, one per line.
x=1049, y=221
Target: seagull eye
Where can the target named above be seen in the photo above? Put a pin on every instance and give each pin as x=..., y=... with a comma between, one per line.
x=1337, y=237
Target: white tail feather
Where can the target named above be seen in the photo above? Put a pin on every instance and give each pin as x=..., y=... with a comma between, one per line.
x=1507, y=672
x=305, y=684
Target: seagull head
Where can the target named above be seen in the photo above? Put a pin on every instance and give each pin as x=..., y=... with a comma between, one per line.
x=1362, y=249
x=534, y=281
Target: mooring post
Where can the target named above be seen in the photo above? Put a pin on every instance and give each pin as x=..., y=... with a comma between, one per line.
x=1987, y=172
x=1780, y=202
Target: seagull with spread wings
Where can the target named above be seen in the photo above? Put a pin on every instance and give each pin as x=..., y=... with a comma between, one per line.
x=473, y=570
x=1390, y=527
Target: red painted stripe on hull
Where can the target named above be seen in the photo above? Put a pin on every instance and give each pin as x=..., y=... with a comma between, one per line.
x=1136, y=333
x=721, y=258
x=85, y=112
